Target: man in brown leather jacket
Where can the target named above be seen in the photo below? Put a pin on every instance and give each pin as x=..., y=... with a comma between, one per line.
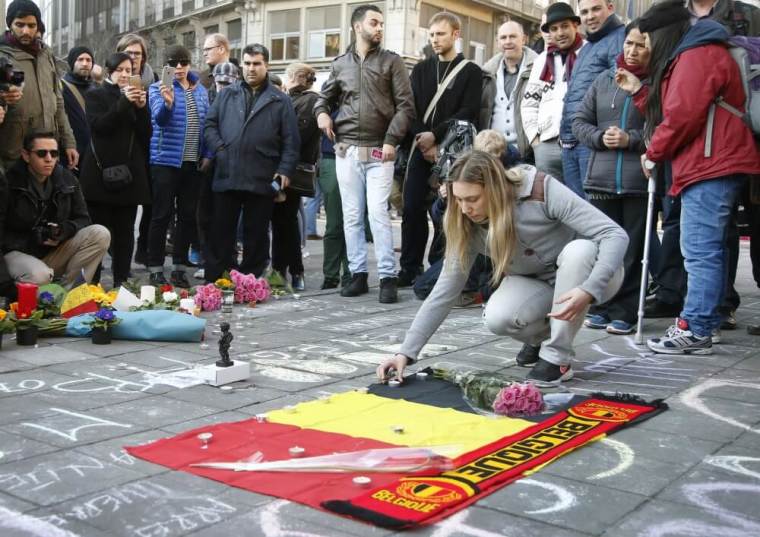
x=370, y=88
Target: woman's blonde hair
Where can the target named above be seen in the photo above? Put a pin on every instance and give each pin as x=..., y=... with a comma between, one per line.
x=302, y=74
x=491, y=141
x=500, y=189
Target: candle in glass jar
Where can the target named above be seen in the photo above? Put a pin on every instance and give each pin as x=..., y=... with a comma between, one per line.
x=27, y=299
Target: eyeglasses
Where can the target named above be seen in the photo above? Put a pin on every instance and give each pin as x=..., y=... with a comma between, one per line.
x=207, y=49
x=175, y=63
x=134, y=54
x=42, y=153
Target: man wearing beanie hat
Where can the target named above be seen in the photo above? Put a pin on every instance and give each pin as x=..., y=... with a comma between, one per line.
x=76, y=83
x=542, y=104
x=39, y=107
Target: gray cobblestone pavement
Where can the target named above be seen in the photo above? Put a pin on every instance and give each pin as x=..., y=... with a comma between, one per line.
x=68, y=407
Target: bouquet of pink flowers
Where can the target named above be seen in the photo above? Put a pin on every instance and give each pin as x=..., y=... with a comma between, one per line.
x=519, y=399
x=248, y=288
x=208, y=297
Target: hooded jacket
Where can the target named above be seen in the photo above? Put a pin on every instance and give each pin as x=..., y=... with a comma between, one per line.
x=489, y=95
x=41, y=107
x=167, y=143
x=597, y=55
x=614, y=171
x=701, y=69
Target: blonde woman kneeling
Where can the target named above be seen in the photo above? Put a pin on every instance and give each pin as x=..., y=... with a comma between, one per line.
x=557, y=254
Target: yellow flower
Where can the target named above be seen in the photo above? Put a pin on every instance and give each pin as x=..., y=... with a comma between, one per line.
x=3, y=314
x=223, y=283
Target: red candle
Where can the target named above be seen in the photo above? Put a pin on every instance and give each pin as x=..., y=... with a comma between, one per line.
x=27, y=299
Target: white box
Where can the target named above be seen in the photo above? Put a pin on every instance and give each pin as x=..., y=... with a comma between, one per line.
x=219, y=376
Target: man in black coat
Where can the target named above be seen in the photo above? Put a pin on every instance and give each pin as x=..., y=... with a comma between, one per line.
x=46, y=229
x=76, y=83
x=460, y=100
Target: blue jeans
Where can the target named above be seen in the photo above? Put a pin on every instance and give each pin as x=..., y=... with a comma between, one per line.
x=574, y=168
x=366, y=184
x=311, y=210
x=705, y=213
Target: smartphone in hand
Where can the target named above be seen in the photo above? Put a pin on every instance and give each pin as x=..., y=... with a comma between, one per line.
x=135, y=81
x=167, y=76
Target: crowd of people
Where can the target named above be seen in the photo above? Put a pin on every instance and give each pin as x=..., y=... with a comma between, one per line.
x=547, y=215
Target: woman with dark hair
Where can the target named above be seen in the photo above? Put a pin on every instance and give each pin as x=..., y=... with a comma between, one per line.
x=609, y=123
x=553, y=254
x=286, y=236
x=120, y=124
x=711, y=149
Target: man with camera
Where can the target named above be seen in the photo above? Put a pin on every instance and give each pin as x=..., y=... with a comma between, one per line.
x=39, y=106
x=47, y=230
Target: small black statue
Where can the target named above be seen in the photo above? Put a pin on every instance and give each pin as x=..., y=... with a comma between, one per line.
x=224, y=346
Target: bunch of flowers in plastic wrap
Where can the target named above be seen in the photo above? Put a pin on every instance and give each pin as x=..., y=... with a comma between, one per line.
x=249, y=289
x=519, y=399
x=208, y=297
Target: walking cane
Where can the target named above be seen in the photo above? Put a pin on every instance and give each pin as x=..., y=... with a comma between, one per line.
x=639, y=338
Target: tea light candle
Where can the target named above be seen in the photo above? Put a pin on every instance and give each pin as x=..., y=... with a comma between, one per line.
x=296, y=451
x=261, y=418
x=147, y=293
x=226, y=390
x=362, y=481
x=205, y=438
x=421, y=375
x=394, y=383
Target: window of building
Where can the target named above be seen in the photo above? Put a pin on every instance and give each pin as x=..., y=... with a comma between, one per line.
x=213, y=29
x=323, y=27
x=168, y=9
x=235, y=36
x=188, y=41
x=285, y=34
x=150, y=13
x=209, y=2
x=188, y=5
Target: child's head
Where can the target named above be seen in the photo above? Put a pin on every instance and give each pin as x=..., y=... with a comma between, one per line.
x=491, y=141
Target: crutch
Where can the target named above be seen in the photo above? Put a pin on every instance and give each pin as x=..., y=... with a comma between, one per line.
x=639, y=338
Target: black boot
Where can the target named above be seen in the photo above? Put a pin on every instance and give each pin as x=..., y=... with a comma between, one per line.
x=388, y=291
x=528, y=355
x=358, y=285
x=157, y=279
x=179, y=279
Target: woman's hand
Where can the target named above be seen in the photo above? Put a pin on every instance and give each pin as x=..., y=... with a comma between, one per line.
x=386, y=368
x=627, y=81
x=576, y=301
x=615, y=138
x=168, y=94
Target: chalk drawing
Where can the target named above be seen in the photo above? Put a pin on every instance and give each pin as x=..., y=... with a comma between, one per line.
x=455, y=525
x=289, y=375
x=18, y=523
x=693, y=399
x=312, y=366
x=22, y=386
x=623, y=451
x=71, y=434
x=44, y=476
x=734, y=464
x=565, y=498
x=206, y=511
x=271, y=525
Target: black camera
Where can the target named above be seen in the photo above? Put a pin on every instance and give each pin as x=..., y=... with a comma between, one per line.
x=459, y=138
x=8, y=76
x=46, y=232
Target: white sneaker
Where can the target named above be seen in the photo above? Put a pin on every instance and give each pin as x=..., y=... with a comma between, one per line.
x=200, y=274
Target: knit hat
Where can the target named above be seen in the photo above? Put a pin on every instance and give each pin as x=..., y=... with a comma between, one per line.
x=23, y=8
x=559, y=12
x=177, y=52
x=74, y=54
x=663, y=14
x=225, y=72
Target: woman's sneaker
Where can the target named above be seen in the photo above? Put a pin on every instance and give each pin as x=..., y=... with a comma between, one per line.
x=680, y=340
x=621, y=328
x=547, y=374
x=598, y=322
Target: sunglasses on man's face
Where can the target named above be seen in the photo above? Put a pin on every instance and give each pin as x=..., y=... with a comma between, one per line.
x=175, y=63
x=42, y=153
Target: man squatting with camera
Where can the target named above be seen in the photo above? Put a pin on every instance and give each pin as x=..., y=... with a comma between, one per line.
x=45, y=229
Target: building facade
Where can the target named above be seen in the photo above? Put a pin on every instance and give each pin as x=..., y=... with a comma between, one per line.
x=313, y=31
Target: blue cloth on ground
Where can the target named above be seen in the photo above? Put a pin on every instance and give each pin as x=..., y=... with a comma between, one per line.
x=146, y=325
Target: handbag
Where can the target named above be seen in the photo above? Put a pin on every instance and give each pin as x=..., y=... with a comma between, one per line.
x=304, y=179
x=115, y=178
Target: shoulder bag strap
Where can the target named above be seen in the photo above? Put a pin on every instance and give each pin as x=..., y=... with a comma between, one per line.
x=94, y=154
x=442, y=87
x=76, y=93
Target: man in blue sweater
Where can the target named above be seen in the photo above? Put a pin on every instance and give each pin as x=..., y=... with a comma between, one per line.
x=604, y=34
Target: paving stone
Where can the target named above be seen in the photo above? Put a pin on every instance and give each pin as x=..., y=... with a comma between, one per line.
x=112, y=451
x=212, y=419
x=56, y=477
x=9, y=365
x=563, y=502
x=24, y=407
x=684, y=421
x=14, y=447
x=243, y=394
x=48, y=354
x=19, y=524
x=13, y=505
x=156, y=411
x=116, y=348
x=33, y=380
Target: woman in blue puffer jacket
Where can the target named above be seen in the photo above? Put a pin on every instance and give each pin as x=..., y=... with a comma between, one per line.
x=178, y=158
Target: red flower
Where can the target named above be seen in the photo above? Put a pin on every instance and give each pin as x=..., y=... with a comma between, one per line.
x=166, y=288
x=184, y=293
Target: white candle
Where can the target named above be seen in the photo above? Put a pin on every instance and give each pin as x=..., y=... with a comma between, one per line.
x=147, y=293
x=187, y=304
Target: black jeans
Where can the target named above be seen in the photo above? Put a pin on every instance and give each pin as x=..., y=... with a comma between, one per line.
x=630, y=213
x=286, y=236
x=257, y=213
x=180, y=186
x=120, y=221
x=414, y=223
